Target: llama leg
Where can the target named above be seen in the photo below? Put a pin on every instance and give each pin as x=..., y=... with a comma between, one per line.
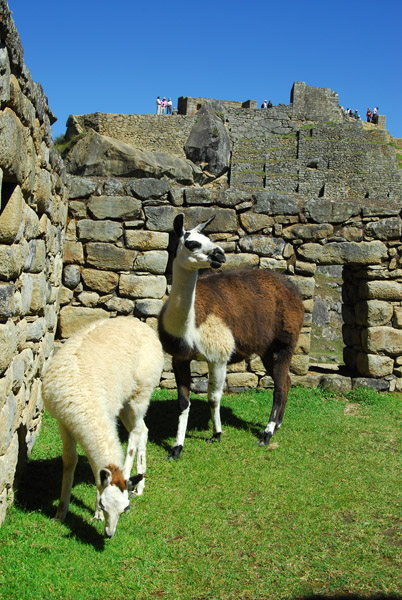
x=216, y=383
x=132, y=418
x=69, y=464
x=182, y=373
x=279, y=367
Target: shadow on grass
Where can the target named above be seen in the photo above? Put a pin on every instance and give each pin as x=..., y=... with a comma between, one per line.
x=162, y=420
x=39, y=490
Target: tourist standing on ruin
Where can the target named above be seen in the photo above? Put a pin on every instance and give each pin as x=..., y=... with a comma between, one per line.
x=163, y=105
x=264, y=104
x=158, y=106
x=269, y=104
x=169, y=107
x=368, y=115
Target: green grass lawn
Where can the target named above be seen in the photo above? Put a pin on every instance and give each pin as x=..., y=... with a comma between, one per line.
x=315, y=515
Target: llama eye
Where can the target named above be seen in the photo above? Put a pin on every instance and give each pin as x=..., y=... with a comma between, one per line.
x=192, y=245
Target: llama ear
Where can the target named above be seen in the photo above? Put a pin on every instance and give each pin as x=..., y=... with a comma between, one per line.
x=178, y=225
x=105, y=477
x=202, y=226
x=133, y=481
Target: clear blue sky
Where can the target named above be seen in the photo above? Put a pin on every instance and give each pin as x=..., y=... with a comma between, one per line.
x=98, y=56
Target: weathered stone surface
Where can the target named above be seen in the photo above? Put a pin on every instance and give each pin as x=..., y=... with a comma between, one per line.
x=252, y=222
x=39, y=291
x=8, y=345
x=274, y=203
x=89, y=299
x=308, y=232
x=73, y=318
x=17, y=153
x=381, y=290
x=71, y=276
x=374, y=365
x=379, y=385
x=73, y=252
x=97, y=154
x=149, y=188
x=337, y=383
x=373, y=313
x=305, y=286
x=273, y=264
x=160, y=218
x=142, y=286
x=99, y=231
x=398, y=317
x=322, y=210
x=262, y=245
x=198, y=196
x=109, y=257
x=148, y=308
x=242, y=380
x=79, y=187
x=11, y=218
x=209, y=141
x=11, y=261
x=35, y=260
x=240, y=261
x=339, y=253
x=146, y=240
x=115, y=207
x=382, y=339
x=123, y=306
x=385, y=229
x=232, y=197
x=101, y=281
x=154, y=261
x=299, y=364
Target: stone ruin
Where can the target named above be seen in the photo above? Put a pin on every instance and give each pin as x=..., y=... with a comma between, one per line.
x=295, y=188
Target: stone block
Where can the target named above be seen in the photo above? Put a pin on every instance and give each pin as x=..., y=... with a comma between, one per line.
x=253, y=222
x=36, y=260
x=381, y=290
x=322, y=210
x=306, y=286
x=238, y=261
x=146, y=240
x=348, y=253
x=274, y=203
x=303, y=344
x=337, y=383
x=73, y=253
x=79, y=187
x=101, y=281
x=89, y=299
x=17, y=151
x=299, y=364
x=8, y=344
x=39, y=291
x=160, y=218
x=397, y=320
x=374, y=365
x=242, y=380
x=115, y=207
x=273, y=264
x=385, y=229
x=99, y=231
x=379, y=385
x=43, y=191
x=109, y=257
x=198, y=196
x=11, y=261
x=371, y=313
x=262, y=245
x=31, y=225
x=142, y=286
x=148, y=308
x=12, y=217
x=154, y=261
x=71, y=276
x=382, y=339
x=36, y=330
x=308, y=232
x=149, y=187
x=123, y=306
x=73, y=318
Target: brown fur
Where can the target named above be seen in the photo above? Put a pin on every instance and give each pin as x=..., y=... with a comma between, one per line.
x=258, y=306
x=117, y=478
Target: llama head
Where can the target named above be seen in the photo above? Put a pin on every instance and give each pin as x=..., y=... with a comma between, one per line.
x=113, y=498
x=195, y=250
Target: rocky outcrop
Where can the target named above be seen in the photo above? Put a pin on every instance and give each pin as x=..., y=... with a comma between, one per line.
x=100, y=155
x=208, y=142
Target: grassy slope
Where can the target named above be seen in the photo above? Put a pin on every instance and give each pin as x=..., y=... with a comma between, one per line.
x=319, y=512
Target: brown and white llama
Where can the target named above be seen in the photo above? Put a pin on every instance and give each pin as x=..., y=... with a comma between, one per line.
x=104, y=371
x=223, y=318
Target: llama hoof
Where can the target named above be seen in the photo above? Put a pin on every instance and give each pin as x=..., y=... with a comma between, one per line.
x=264, y=440
x=98, y=516
x=175, y=453
x=215, y=438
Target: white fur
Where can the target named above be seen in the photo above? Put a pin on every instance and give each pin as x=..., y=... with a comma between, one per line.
x=107, y=370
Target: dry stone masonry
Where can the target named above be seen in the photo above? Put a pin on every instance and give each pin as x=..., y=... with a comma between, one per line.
x=33, y=214
x=296, y=188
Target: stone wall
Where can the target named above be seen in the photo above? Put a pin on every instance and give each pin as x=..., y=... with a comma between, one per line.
x=118, y=261
x=190, y=105
x=33, y=213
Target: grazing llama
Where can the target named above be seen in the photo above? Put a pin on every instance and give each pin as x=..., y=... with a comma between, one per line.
x=105, y=371
x=223, y=318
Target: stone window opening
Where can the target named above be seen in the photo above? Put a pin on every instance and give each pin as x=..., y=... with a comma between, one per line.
x=7, y=189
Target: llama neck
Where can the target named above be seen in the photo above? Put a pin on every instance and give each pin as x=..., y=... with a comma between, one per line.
x=179, y=317
x=101, y=445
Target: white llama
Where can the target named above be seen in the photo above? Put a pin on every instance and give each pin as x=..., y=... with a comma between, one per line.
x=105, y=371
